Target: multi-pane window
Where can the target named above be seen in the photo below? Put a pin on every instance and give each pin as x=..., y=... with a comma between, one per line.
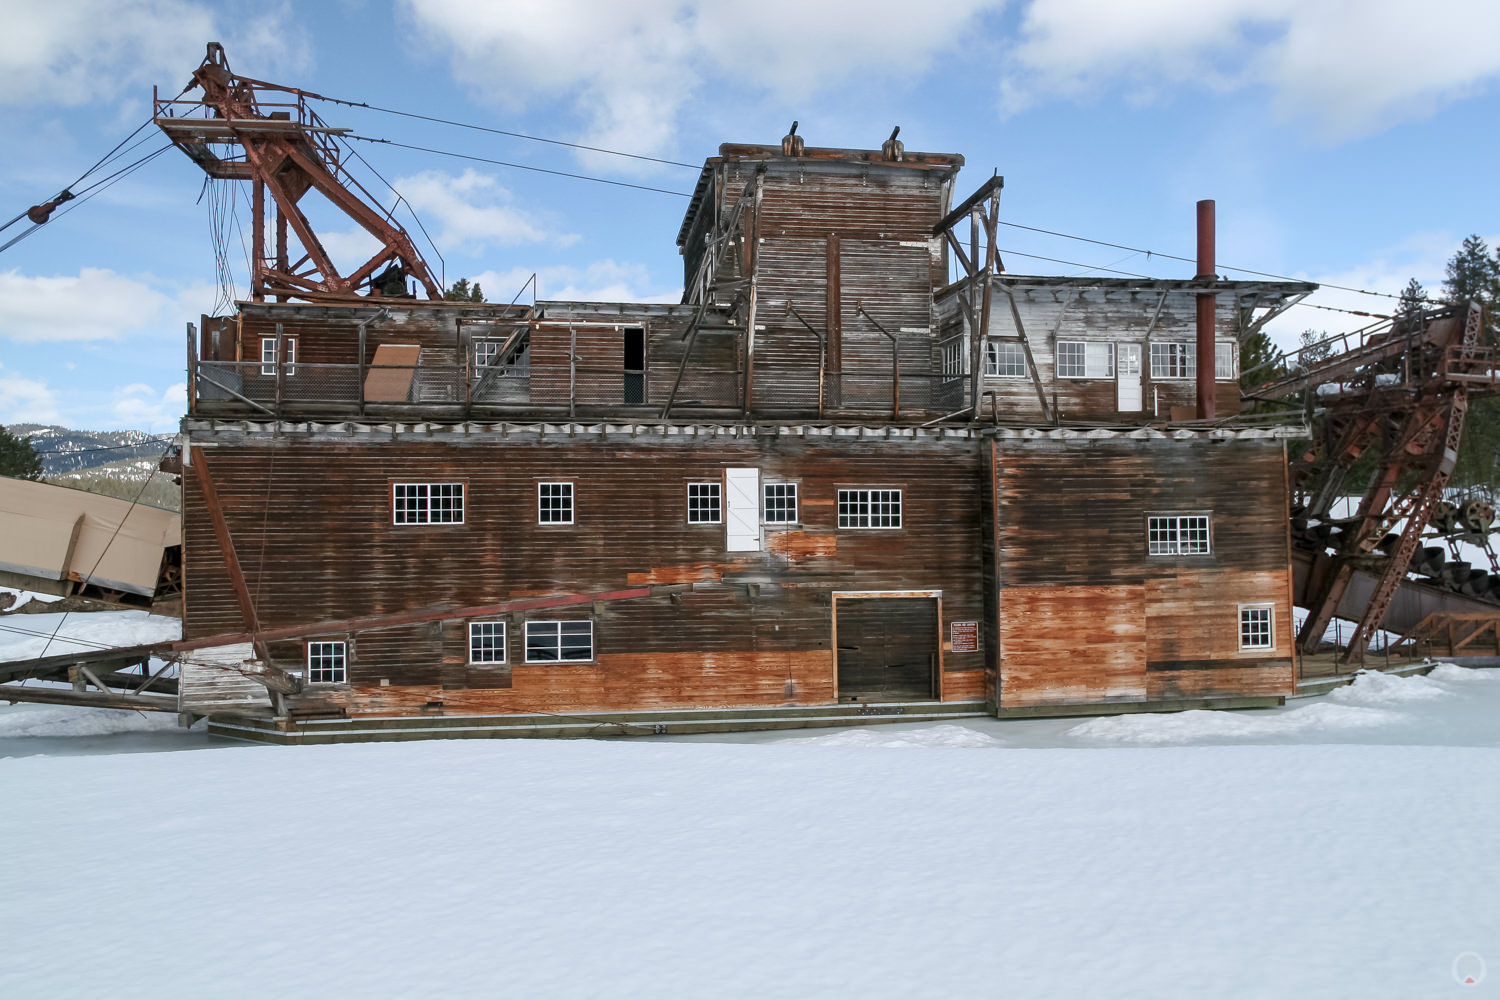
x=486, y=351
x=554, y=503
x=705, y=503
x=869, y=508
x=953, y=359
x=1255, y=626
x=326, y=662
x=268, y=355
x=552, y=642
x=1177, y=535
x=1226, y=360
x=427, y=503
x=1171, y=361
x=486, y=642
x=1085, y=359
x=1006, y=359
x=780, y=503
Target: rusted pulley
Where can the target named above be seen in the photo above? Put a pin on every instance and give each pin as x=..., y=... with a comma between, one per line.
x=41, y=213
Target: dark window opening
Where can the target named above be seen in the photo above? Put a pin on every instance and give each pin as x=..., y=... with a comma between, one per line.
x=635, y=367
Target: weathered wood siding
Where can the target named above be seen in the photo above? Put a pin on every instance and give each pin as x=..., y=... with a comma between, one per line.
x=311, y=523
x=1085, y=614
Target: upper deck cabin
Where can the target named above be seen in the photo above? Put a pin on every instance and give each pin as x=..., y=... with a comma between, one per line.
x=819, y=284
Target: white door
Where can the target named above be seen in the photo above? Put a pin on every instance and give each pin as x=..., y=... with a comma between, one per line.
x=742, y=510
x=1128, y=378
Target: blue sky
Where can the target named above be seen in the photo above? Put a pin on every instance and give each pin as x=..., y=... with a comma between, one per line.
x=1345, y=142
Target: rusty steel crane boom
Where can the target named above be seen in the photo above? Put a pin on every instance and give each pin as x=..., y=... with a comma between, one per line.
x=1401, y=394
x=284, y=149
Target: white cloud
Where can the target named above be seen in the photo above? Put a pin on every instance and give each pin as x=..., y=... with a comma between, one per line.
x=628, y=68
x=601, y=281
x=79, y=51
x=95, y=304
x=26, y=400
x=1350, y=67
x=470, y=211
x=140, y=406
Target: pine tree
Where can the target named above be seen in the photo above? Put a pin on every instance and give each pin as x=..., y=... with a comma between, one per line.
x=462, y=291
x=1413, y=298
x=1473, y=275
x=1257, y=355
x=18, y=458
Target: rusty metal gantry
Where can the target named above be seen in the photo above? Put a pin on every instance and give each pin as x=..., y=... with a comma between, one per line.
x=1402, y=392
x=288, y=150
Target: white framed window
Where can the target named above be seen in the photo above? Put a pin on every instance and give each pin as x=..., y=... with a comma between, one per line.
x=954, y=355
x=1007, y=359
x=1256, y=626
x=559, y=641
x=1177, y=535
x=427, y=503
x=327, y=662
x=705, y=503
x=268, y=355
x=486, y=642
x=1226, y=360
x=1172, y=360
x=780, y=503
x=486, y=351
x=1085, y=359
x=554, y=503
x=869, y=508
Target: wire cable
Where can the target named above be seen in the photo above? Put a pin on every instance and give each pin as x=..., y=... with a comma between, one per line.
x=117, y=447
x=521, y=166
x=513, y=135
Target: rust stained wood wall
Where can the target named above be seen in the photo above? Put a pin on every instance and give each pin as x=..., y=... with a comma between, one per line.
x=1086, y=615
x=311, y=524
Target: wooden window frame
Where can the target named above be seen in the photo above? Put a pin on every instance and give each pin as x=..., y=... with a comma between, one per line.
x=839, y=502
x=504, y=642
x=463, y=502
x=1270, y=625
x=1220, y=346
x=268, y=345
x=559, y=622
x=1085, y=344
x=311, y=655
x=717, y=492
x=1183, y=361
x=1176, y=529
x=994, y=367
x=542, y=511
x=765, y=502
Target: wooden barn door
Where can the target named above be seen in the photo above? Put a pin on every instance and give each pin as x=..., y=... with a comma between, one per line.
x=887, y=648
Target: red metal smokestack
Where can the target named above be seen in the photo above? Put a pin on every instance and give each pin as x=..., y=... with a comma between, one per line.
x=1207, y=270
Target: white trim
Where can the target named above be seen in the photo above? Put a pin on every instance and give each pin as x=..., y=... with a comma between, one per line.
x=1176, y=530
x=795, y=497
x=718, y=498
x=526, y=639
x=572, y=502
x=838, y=502
x=1270, y=610
x=742, y=528
x=887, y=593
x=463, y=502
x=343, y=661
x=504, y=643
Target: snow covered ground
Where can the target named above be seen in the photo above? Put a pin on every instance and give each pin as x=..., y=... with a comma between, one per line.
x=1203, y=854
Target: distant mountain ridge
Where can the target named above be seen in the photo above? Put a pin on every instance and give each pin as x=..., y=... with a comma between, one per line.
x=66, y=450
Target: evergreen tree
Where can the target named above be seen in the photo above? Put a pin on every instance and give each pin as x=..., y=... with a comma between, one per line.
x=1313, y=350
x=18, y=458
x=462, y=291
x=1257, y=355
x=1473, y=275
x=1413, y=298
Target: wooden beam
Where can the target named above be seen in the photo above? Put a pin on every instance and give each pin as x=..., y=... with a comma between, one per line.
x=88, y=699
x=953, y=218
x=1036, y=377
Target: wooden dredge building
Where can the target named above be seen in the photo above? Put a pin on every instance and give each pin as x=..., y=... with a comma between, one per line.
x=833, y=484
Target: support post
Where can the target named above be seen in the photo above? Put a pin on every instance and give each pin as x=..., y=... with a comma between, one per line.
x=1207, y=302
